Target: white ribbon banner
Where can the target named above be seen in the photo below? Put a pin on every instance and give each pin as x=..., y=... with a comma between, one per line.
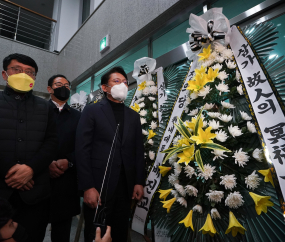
x=154, y=176
x=162, y=95
x=264, y=103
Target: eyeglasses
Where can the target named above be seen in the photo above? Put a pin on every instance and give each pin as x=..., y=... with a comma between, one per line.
x=59, y=84
x=17, y=70
x=118, y=81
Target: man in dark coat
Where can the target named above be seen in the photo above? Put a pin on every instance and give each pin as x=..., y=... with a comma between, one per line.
x=125, y=175
x=64, y=201
x=27, y=143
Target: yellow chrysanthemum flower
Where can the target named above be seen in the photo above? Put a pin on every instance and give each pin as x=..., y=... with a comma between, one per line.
x=204, y=136
x=136, y=107
x=200, y=71
x=208, y=227
x=261, y=202
x=142, y=86
x=188, y=220
x=164, y=193
x=267, y=176
x=187, y=155
x=168, y=204
x=163, y=170
x=182, y=142
x=197, y=83
x=234, y=226
x=212, y=74
x=151, y=134
x=205, y=54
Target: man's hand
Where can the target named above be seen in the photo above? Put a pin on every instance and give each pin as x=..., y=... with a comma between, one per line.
x=62, y=164
x=54, y=170
x=28, y=186
x=91, y=198
x=138, y=192
x=107, y=236
x=18, y=176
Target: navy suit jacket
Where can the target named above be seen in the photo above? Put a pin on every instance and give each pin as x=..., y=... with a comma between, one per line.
x=94, y=137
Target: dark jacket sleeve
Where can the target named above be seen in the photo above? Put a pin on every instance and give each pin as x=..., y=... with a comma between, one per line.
x=84, y=138
x=45, y=154
x=140, y=163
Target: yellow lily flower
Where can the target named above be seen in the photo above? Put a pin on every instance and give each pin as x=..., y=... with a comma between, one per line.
x=163, y=170
x=188, y=220
x=151, y=134
x=191, y=125
x=142, y=86
x=197, y=83
x=212, y=74
x=234, y=226
x=187, y=155
x=182, y=142
x=136, y=107
x=261, y=202
x=168, y=204
x=208, y=227
x=164, y=193
x=200, y=71
x=204, y=136
x=267, y=176
x=206, y=53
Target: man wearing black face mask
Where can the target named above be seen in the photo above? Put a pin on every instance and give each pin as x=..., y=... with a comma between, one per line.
x=64, y=201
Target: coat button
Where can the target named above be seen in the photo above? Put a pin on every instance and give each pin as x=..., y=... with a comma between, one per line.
x=19, y=139
x=21, y=121
x=19, y=161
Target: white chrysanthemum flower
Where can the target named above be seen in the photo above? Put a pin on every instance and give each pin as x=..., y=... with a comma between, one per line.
x=241, y=157
x=150, y=83
x=150, y=141
x=140, y=100
x=173, y=179
x=208, y=171
x=213, y=55
x=219, y=154
x=251, y=127
x=215, y=196
x=153, y=125
x=214, y=124
x=143, y=112
x=151, y=155
x=234, y=131
x=221, y=135
x=205, y=123
x=146, y=91
x=229, y=181
x=208, y=106
x=151, y=98
x=219, y=47
x=154, y=114
x=188, y=100
x=153, y=90
x=141, y=105
x=202, y=117
x=182, y=201
x=191, y=191
x=144, y=132
x=217, y=66
x=143, y=121
x=223, y=75
x=231, y=64
x=177, y=168
x=190, y=171
x=234, y=200
x=194, y=95
x=186, y=110
x=214, y=114
x=204, y=91
x=172, y=159
x=154, y=105
x=180, y=189
x=258, y=154
x=198, y=208
x=139, y=93
x=220, y=59
x=208, y=62
x=225, y=118
x=193, y=112
x=245, y=116
x=239, y=89
x=227, y=105
x=238, y=76
x=174, y=193
x=252, y=181
x=222, y=88
x=175, y=140
x=227, y=53
x=215, y=214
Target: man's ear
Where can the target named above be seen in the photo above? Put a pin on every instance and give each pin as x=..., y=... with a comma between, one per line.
x=104, y=88
x=4, y=75
x=50, y=90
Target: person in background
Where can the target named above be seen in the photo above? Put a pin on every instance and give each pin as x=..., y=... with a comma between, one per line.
x=27, y=143
x=64, y=201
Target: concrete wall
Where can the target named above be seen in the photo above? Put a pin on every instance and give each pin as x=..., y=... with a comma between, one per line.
x=46, y=61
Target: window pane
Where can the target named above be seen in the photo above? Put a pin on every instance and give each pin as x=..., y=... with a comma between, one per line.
x=84, y=86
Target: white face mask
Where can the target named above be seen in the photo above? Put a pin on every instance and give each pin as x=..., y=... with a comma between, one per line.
x=119, y=92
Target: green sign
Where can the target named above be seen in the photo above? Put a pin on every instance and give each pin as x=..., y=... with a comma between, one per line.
x=103, y=43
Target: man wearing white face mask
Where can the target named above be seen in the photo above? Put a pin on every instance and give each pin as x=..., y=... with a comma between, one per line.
x=95, y=133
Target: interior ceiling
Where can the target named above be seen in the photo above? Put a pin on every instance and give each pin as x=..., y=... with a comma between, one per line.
x=44, y=7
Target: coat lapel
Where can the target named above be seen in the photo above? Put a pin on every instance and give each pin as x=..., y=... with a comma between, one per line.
x=127, y=123
x=107, y=110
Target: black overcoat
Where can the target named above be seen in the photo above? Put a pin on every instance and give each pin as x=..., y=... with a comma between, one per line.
x=94, y=138
x=65, y=201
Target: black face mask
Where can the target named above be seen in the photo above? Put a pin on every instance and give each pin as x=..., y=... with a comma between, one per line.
x=61, y=93
x=19, y=235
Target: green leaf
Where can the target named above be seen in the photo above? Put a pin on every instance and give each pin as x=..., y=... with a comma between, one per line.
x=199, y=160
x=197, y=121
x=168, y=150
x=214, y=146
x=172, y=152
x=185, y=129
x=182, y=132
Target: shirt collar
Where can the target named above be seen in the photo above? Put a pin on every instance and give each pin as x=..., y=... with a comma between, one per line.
x=60, y=107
